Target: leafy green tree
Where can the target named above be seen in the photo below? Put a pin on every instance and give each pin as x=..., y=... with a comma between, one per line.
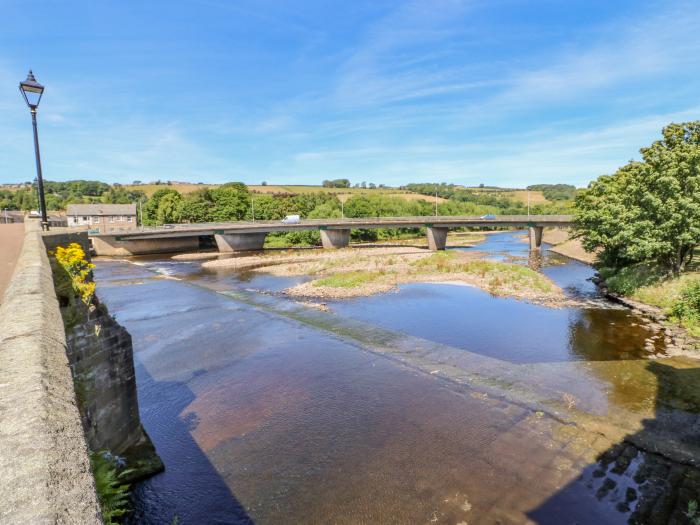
x=231, y=202
x=169, y=208
x=197, y=206
x=648, y=210
x=150, y=209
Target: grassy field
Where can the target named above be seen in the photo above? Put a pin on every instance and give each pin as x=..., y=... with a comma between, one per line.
x=183, y=188
x=536, y=197
x=342, y=193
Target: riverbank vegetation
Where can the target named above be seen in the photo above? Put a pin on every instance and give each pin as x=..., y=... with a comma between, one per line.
x=644, y=222
x=371, y=273
x=112, y=492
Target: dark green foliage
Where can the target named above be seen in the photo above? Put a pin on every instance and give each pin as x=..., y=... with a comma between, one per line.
x=231, y=202
x=112, y=493
x=336, y=183
x=60, y=194
x=479, y=199
x=150, y=209
x=625, y=281
x=687, y=306
x=648, y=210
x=555, y=192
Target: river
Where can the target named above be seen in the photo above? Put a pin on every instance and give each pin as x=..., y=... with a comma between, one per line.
x=434, y=404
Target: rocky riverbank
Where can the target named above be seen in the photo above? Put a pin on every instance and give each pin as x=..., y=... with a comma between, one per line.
x=560, y=242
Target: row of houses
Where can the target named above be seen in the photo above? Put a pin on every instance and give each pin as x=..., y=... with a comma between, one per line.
x=105, y=218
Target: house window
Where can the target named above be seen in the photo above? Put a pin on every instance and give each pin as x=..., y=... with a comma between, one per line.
x=95, y=219
x=111, y=218
x=75, y=219
x=130, y=218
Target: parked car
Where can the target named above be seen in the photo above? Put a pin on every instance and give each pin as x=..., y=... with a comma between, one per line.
x=488, y=217
x=291, y=219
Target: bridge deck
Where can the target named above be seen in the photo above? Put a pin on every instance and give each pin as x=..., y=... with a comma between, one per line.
x=190, y=230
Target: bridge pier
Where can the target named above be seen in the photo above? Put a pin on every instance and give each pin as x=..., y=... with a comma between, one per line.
x=240, y=242
x=333, y=239
x=437, y=238
x=535, y=233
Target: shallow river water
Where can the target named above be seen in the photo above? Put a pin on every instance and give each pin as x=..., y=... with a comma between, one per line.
x=433, y=404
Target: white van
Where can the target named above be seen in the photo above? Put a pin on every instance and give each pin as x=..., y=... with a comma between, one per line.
x=291, y=219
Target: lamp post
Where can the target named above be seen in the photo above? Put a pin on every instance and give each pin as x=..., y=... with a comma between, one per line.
x=32, y=91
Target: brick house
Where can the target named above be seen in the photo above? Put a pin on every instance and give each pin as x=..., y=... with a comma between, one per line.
x=103, y=217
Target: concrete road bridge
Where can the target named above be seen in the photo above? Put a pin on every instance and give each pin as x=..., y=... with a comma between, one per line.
x=335, y=233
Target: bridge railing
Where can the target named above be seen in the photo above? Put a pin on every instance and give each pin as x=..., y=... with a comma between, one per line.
x=360, y=221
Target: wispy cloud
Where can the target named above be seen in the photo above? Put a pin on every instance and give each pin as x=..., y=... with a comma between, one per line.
x=395, y=61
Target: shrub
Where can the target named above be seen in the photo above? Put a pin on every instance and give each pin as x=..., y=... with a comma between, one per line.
x=687, y=306
x=112, y=494
x=73, y=261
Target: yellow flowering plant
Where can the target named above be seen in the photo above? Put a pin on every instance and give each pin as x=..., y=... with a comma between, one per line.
x=72, y=259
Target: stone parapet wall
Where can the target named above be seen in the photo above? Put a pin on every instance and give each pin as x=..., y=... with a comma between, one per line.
x=46, y=475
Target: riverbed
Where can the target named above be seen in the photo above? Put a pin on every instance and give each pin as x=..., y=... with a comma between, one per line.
x=434, y=403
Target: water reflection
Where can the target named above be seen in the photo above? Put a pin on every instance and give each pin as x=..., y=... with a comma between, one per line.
x=504, y=328
x=644, y=487
x=260, y=415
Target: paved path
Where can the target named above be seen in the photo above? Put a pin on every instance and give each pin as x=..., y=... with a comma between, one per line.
x=11, y=237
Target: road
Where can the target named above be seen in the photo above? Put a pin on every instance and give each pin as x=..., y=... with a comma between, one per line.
x=11, y=237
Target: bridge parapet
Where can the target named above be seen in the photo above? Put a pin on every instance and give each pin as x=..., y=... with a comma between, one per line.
x=46, y=476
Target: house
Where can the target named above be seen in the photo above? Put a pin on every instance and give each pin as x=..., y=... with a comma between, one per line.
x=103, y=217
x=56, y=219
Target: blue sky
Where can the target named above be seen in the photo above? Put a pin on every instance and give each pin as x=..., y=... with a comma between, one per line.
x=500, y=92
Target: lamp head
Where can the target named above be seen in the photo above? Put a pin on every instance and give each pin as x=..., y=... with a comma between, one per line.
x=31, y=91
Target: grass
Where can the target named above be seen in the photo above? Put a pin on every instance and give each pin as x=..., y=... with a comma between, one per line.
x=650, y=284
x=281, y=241
x=150, y=189
x=290, y=189
x=301, y=188
x=348, y=279
x=496, y=275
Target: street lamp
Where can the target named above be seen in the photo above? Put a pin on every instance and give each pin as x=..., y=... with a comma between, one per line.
x=32, y=91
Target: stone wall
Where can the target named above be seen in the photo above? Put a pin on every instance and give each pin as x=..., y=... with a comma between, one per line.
x=44, y=464
x=64, y=237
x=101, y=357
x=100, y=353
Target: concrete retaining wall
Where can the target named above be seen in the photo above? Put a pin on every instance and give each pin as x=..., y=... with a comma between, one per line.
x=45, y=474
x=110, y=246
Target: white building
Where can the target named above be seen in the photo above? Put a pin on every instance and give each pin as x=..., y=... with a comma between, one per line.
x=103, y=217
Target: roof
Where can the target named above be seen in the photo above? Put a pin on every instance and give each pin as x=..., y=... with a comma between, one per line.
x=101, y=209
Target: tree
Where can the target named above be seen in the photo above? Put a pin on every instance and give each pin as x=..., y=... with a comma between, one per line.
x=231, y=202
x=150, y=209
x=169, y=208
x=648, y=210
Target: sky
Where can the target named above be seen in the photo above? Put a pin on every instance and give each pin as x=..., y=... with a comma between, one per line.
x=499, y=92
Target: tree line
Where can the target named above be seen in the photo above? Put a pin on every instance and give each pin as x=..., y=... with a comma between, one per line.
x=59, y=195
